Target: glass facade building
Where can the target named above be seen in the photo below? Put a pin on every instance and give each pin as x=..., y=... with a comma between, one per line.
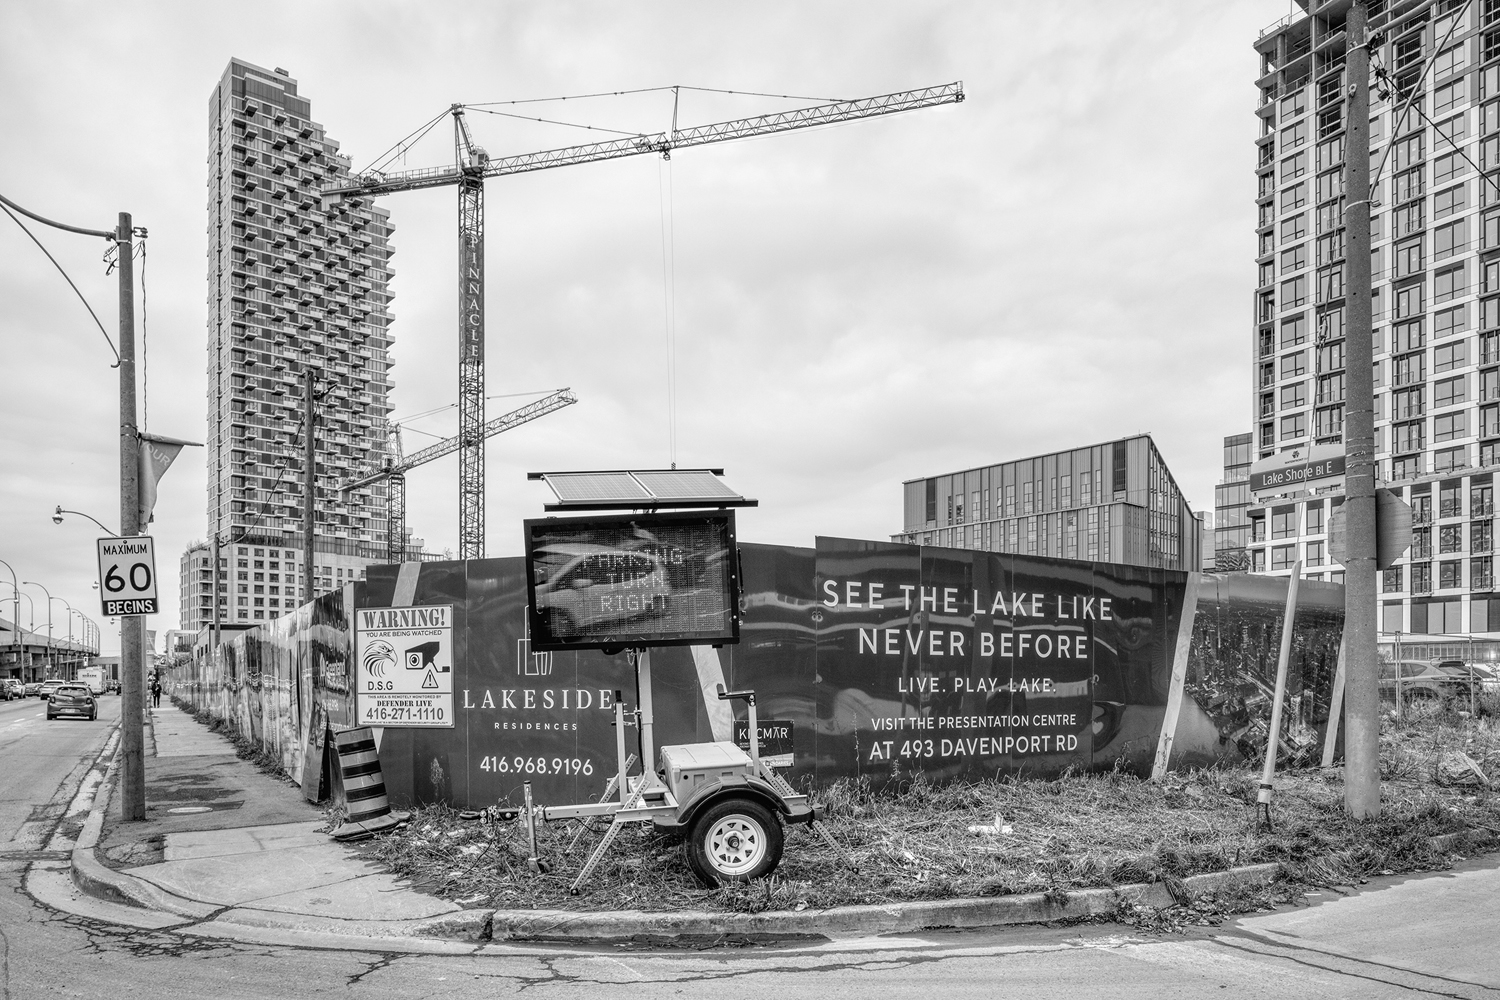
x=1114, y=502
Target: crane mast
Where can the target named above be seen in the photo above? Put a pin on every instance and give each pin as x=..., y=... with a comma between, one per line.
x=471, y=167
x=471, y=161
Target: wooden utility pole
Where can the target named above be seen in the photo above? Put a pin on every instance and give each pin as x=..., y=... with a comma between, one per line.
x=309, y=481
x=132, y=627
x=1361, y=692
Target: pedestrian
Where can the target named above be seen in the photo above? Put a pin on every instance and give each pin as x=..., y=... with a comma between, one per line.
x=156, y=692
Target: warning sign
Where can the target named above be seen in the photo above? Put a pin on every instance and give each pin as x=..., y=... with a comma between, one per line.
x=403, y=666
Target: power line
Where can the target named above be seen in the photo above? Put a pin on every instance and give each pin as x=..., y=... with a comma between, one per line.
x=28, y=232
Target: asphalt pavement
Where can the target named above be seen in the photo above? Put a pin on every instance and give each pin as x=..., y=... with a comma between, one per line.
x=1394, y=937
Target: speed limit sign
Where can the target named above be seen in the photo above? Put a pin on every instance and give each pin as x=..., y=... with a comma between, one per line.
x=127, y=575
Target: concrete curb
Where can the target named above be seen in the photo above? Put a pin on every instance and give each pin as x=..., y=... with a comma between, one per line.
x=993, y=911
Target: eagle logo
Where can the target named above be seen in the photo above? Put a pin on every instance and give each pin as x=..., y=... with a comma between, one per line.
x=379, y=655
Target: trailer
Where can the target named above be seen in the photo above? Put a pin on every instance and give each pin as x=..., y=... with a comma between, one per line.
x=730, y=804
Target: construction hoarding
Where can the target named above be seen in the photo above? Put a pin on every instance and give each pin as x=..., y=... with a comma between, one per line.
x=882, y=660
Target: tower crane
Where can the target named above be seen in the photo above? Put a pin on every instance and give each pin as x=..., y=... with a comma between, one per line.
x=472, y=165
x=397, y=466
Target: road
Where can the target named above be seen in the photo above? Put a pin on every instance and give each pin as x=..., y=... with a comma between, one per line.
x=1414, y=937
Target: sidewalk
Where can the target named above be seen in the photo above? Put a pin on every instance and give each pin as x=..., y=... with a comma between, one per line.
x=226, y=844
x=227, y=851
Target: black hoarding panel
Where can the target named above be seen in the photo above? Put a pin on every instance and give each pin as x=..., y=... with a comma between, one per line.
x=887, y=660
x=971, y=664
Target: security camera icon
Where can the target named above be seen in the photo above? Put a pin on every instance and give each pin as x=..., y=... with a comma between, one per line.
x=424, y=656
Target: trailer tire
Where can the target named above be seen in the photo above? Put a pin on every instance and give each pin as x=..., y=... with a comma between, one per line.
x=734, y=840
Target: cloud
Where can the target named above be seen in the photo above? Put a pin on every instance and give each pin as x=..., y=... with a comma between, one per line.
x=1063, y=258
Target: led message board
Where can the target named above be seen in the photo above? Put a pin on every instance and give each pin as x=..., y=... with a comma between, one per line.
x=632, y=580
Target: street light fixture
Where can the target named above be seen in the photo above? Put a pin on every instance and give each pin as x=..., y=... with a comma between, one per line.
x=57, y=518
x=17, y=621
x=51, y=652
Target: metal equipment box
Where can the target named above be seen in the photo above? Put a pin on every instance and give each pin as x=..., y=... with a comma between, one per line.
x=690, y=766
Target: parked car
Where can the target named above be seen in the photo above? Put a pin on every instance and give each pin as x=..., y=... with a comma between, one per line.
x=47, y=687
x=72, y=699
x=11, y=688
x=1425, y=682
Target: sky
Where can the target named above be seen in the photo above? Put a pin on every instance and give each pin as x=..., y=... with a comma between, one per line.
x=1064, y=258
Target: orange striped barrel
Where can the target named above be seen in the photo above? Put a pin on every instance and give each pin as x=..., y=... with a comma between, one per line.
x=359, y=768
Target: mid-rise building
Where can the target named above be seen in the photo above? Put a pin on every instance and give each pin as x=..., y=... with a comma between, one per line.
x=1435, y=262
x=294, y=286
x=1112, y=502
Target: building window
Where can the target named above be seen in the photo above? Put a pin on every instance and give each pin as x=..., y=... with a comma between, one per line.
x=1444, y=99
x=1445, y=203
x=1481, y=536
x=1258, y=560
x=1293, y=258
x=1284, y=524
x=1294, y=228
x=1421, y=579
x=1449, y=284
x=1293, y=167
x=1390, y=582
x=1408, y=185
x=1450, y=574
x=1450, y=427
x=1315, y=518
x=1450, y=239
x=1448, y=392
x=1314, y=553
x=1406, y=468
x=1408, y=437
x=1481, y=575
x=1481, y=501
x=1450, y=539
x=1293, y=396
x=1293, y=426
x=1294, y=365
x=1294, y=292
x=1281, y=556
x=1294, y=135
x=1294, y=197
x=1450, y=459
x=1409, y=259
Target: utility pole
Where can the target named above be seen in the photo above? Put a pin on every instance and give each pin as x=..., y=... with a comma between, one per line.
x=1361, y=680
x=132, y=627
x=309, y=480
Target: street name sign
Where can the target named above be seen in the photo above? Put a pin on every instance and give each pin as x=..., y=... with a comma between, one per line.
x=127, y=576
x=1298, y=469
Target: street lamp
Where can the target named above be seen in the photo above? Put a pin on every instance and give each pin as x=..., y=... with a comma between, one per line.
x=17, y=622
x=51, y=653
x=57, y=518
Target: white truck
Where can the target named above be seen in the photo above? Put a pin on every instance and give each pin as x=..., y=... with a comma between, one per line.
x=93, y=677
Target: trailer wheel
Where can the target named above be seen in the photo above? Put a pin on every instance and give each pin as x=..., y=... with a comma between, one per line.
x=734, y=841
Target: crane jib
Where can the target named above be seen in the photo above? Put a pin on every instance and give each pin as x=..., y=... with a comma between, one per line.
x=661, y=142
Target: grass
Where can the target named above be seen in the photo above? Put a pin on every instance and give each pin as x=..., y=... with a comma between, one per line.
x=1078, y=831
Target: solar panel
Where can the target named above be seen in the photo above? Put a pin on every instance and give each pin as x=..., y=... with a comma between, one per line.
x=686, y=485
x=622, y=489
x=575, y=487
